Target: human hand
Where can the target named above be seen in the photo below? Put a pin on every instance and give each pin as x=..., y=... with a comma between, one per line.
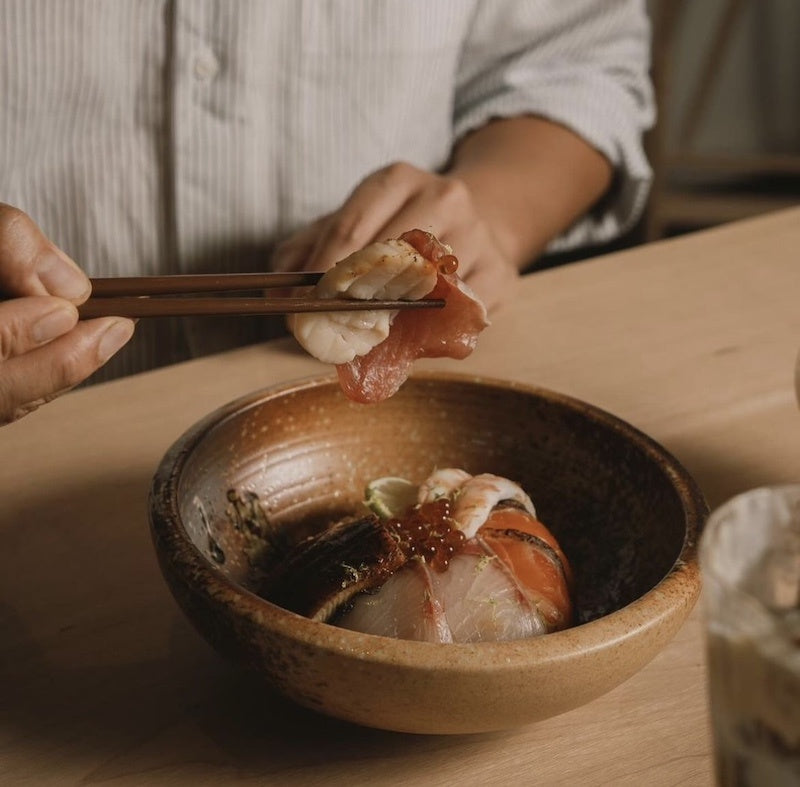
x=44, y=349
x=393, y=200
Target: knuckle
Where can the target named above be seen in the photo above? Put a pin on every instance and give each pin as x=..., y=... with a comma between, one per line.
x=74, y=366
x=75, y=360
x=9, y=339
x=453, y=193
x=12, y=218
x=15, y=226
x=19, y=241
x=346, y=230
x=397, y=171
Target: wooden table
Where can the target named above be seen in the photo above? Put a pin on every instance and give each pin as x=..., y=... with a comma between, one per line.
x=103, y=682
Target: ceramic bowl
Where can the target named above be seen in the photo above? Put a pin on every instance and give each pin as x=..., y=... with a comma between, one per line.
x=292, y=458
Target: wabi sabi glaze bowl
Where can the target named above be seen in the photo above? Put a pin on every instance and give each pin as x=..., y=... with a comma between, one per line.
x=289, y=459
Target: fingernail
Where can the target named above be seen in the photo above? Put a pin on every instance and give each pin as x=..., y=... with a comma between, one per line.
x=61, y=276
x=114, y=338
x=53, y=324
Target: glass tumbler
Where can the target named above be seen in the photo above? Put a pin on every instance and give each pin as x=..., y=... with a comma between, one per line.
x=750, y=562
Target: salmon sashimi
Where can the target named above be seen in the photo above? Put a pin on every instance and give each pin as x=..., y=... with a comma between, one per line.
x=534, y=559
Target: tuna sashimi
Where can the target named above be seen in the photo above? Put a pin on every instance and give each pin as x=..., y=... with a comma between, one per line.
x=451, y=332
x=374, y=350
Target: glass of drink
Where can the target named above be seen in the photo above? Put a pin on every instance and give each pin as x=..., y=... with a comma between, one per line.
x=750, y=559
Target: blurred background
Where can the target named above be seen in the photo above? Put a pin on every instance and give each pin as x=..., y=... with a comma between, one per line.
x=727, y=142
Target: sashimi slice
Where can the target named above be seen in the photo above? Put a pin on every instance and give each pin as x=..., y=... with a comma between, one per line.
x=450, y=332
x=535, y=559
x=404, y=607
x=481, y=601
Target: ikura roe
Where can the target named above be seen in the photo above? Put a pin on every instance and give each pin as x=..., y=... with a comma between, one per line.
x=428, y=531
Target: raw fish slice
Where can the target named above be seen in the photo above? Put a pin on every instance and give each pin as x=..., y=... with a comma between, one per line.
x=511, y=518
x=535, y=560
x=391, y=269
x=482, y=602
x=404, y=607
x=450, y=332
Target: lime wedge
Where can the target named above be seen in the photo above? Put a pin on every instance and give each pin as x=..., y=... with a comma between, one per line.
x=390, y=496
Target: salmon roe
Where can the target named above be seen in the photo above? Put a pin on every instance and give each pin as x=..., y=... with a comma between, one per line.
x=448, y=263
x=428, y=531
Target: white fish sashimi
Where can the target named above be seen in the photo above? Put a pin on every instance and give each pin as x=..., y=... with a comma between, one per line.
x=482, y=602
x=392, y=270
x=404, y=607
x=475, y=600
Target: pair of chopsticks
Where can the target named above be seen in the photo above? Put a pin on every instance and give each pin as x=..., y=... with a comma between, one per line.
x=148, y=296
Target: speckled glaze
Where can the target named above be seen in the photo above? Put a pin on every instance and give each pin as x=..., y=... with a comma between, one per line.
x=625, y=512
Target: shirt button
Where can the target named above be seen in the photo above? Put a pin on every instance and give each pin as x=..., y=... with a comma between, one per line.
x=206, y=67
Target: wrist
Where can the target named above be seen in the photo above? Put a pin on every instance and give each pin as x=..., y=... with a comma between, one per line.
x=530, y=180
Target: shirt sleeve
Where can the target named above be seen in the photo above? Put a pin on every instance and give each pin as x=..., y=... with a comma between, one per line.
x=581, y=63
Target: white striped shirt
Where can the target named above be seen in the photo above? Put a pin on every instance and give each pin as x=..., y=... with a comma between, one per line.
x=188, y=135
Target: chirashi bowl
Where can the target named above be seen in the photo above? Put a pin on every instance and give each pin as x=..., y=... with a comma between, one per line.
x=296, y=456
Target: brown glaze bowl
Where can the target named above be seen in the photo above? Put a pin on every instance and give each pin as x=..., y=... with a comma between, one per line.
x=285, y=461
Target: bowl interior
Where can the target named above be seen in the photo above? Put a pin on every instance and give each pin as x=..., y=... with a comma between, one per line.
x=285, y=462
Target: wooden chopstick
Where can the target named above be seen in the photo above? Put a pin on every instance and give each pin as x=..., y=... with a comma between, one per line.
x=188, y=307
x=129, y=296
x=204, y=282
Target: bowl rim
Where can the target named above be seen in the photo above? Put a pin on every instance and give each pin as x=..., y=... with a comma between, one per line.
x=677, y=591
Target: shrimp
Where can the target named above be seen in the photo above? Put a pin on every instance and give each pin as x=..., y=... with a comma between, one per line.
x=444, y=482
x=392, y=270
x=479, y=495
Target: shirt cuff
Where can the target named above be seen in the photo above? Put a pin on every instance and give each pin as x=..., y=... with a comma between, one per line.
x=607, y=121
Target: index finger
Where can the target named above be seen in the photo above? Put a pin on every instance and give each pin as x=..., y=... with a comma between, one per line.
x=371, y=205
x=30, y=264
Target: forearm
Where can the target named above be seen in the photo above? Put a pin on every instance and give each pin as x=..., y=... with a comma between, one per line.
x=530, y=179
